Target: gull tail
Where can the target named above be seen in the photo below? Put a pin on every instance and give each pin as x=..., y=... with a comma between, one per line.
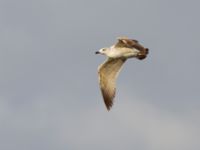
x=143, y=54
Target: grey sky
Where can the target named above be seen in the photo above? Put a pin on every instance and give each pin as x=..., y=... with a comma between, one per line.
x=49, y=94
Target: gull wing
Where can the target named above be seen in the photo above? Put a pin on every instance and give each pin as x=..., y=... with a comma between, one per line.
x=108, y=72
x=129, y=43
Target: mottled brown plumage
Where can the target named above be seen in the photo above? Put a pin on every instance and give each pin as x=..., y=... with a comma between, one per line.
x=108, y=71
x=131, y=43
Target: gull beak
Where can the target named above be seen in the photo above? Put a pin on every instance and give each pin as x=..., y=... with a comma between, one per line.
x=97, y=52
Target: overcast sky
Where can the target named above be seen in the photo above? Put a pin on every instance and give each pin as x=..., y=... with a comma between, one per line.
x=49, y=93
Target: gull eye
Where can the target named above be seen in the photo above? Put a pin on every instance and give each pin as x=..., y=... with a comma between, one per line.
x=103, y=49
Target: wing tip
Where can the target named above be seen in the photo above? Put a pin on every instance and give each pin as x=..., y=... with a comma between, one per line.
x=109, y=106
x=108, y=101
x=143, y=54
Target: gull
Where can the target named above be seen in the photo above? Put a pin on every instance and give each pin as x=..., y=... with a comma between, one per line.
x=117, y=54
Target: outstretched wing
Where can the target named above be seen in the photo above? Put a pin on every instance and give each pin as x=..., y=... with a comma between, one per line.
x=129, y=43
x=108, y=72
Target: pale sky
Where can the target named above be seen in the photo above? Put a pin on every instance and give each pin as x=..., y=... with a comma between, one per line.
x=49, y=93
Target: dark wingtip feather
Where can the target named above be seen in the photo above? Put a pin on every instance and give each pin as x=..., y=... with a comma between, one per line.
x=147, y=51
x=143, y=54
x=108, y=100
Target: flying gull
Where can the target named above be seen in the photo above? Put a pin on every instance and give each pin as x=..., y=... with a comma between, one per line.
x=108, y=71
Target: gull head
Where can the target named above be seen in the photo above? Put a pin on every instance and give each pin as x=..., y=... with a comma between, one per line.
x=103, y=51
